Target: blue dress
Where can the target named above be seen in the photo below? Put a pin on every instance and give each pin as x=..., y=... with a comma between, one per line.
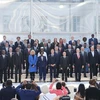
x=32, y=61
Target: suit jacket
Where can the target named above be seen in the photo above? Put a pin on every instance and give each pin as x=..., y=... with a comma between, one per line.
x=4, y=48
x=85, y=57
x=92, y=93
x=36, y=49
x=79, y=46
x=70, y=42
x=91, y=59
x=65, y=46
x=58, y=55
x=18, y=59
x=20, y=43
x=77, y=62
x=42, y=63
x=70, y=55
x=32, y=42
x=41, y=45
x=94, y=40
x=46, y=49
x=3, y=44
x=10, y=59
x=98, y=57
x=26, y=53
x=64, y=62
x=51, y=59
x=3, y=62
x=53, y=45
x=28, y=94
x=49, y=48
x=7, y=93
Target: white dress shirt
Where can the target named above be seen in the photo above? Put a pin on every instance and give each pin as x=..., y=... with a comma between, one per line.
x=92, y=53
x=44, y=54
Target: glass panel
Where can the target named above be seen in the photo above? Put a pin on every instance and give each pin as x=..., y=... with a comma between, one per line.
x=14, y=16
x=21, y=16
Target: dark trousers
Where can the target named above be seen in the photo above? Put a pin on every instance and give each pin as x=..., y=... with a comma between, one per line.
x=32, y=75
x=93, y=70
x=78, y=75
x=10, y=69
x=52, y=70
x=42, y=73
x=3, y=71
x=18, y=73
x=57, y=70
x=84, y=70
x=47, y=69
x=64, y=75
x=27, y=67
x=71, y=70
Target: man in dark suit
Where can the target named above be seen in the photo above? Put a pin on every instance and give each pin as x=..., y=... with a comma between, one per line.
x=58, y=55
x=79, y=45
x=69, y=53
x=65, y=45
x=85, y=58
x=95, y=40
x=4, y=41
x=78, y=64
x=92, y=93
x=10, y=62
x=12, y=45
x=45, y=47
x=42, y=43
x=52, y=64
x=6, y=48
x=42, y=63
x=25, y=56
x=36, y=48
x=64, y=63
x=8, y=92
x=3, y=66
x=93, y=62
x=72, y=40
x=0, y=49
x=49, y=46
x=18, y=63
x=98, y=51
x=18, y=43
x=30, y=41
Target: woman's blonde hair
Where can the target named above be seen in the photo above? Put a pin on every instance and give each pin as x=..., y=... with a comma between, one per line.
x=32, y=52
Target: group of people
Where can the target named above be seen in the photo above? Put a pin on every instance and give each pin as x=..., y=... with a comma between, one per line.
x=90, y=93
x=58, y=56
x=29, y=90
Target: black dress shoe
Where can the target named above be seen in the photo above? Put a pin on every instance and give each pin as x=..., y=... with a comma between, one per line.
x=85, y=76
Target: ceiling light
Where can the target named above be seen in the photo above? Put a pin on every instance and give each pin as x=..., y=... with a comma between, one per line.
x=61, y=6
